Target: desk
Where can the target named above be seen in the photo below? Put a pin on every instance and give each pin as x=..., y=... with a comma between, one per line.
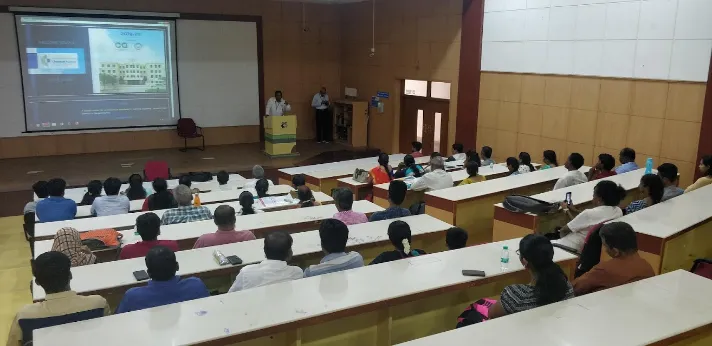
x=471, y=206
x=285, y=175
x=369, y=239
x=361, y=190
x=626, y=315
x=509, y=225
x=376, y=305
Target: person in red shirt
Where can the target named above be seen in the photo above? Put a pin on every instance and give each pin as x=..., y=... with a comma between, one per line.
x=148, y=227
x=603, y=169
x=417, y=147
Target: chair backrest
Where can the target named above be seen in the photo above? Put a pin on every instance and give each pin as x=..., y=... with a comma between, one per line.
x=30, y=325
x=29, y=226
x=702, y=267
x=186, y=127
x=591, y=252
x=156, y=169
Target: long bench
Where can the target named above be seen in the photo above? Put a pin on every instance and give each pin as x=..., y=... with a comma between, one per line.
x=284, y=175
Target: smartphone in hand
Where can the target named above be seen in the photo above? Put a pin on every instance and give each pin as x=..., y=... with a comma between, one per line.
x=477, y=273
x=568, y=198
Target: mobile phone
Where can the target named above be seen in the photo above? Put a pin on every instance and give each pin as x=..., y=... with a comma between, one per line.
x=234, y=260
x=477, y=273
x=140, y=275
x=568, y=198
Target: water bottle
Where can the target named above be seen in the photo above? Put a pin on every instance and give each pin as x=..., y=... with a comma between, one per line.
x=220, y=258
x=504, y=259
x=491, y=165
x=196, y=200
x=649, y=166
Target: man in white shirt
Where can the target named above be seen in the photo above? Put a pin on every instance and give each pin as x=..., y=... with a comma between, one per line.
x=278, y=250
x=320, y=103
x=436, y=179
x=277, y=106
x=112, y=203
x=573, y=176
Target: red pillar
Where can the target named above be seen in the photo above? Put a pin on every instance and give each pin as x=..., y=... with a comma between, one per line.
x=468, y=98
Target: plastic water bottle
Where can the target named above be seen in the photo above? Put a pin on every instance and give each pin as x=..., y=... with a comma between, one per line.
x=649, y=166
x=196, y=200
x=504, y=259
x=491, y=165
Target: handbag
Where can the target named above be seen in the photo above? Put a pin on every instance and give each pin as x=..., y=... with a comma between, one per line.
x=360, y=175
x=101, y=239
x=526, y=204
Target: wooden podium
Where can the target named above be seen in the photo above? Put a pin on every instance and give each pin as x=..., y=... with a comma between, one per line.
x=280, y=135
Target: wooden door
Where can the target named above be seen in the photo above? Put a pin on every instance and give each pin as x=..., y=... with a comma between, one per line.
x=426, y=120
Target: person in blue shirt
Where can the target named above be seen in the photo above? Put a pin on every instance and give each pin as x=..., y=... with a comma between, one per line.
x=56, y=207
x=165, y=287
x=334, y=234
x=627, y=159
x=396, y=195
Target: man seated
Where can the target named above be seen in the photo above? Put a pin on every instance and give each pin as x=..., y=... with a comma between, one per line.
x=625, y=266
x=458, y=152
x=344, y=201
x=40, y=189
x=165, y=287
x=186, y=211
x=456, y=238
x=573, y=176
x=278, y=250
x=258, y=173
x=603, y=169
x=52, y=272
x=486, y=156
x=298, y=180
x=668, y=173
x=56, y=207
x=627, y=159
x=396, y=195
x=416, y=150
x=223, y=178
x=226, y=234
x=334, y=234
x=436, y=179
x=112, y=203
x=148, y=227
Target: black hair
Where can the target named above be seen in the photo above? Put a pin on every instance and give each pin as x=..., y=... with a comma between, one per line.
x=159, y=185
x=619, y=236
x=551, y=282
x=607, y=161
x=526, y=160
x=397, y=191
x=94, y=188
x=610, y=193
x=473, y=156
x=112, y=186
x=668, y=171
x=512, y=161
x=52, y=271
x=334, y=234
x=306, y=197
x=550, y=156
x=383, y=162
x=343, y=198
x=655, y=187
x=299, y=180
x=472, y=168
x=456, y=238
x=161, y=263
x=185, y=180
x=417, y=145
x=56, y=186
x=135, y=190
x=278, y=246
x=458, y=147
x=261, y=187
x=40, y=189
x=576, y=160
x=487, y=152
x=222, y=177
x=409, y=162
x=397, y=232
x=247, y=200
x=628, y=153
x=224, y=215
x=161, y=198
x=278, y=91
x=148, y=226
x=707, y=161
x=435, y=154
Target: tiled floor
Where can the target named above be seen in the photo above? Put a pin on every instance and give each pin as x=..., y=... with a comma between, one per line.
x=15, y=272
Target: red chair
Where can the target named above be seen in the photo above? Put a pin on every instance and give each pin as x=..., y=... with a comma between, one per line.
x=188, y=129
x=156, y=169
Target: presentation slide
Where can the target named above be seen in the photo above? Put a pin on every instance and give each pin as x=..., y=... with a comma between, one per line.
x=97, y=73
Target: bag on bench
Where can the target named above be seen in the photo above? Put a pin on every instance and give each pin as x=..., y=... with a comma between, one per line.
x=200, y=177
x=101, y=239
x=360, y=175
x=526, y=204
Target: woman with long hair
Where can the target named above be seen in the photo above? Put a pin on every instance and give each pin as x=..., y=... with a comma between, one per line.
x=400, y=236
x=549, y=160
x=706, y=170
x=161, y=197
x=247, y=201
x=381, y=174
x=135, y=190
x=651, y=186
x=410, y=168
x=525, y=163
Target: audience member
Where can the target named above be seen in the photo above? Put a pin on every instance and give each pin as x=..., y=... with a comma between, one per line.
x=113, y=203
x=409, y=168
x=247, y=202
x=399, y=234
x=334, y=234
x=185, y=181
x=458, y=152
x=165, y=287
x=94, y=189
x=602, y=169
x=668, y=173
x=274, y=269
x=186, y=211
x=148, y=226
x=396, y=195
x=262, y=188
x=456, y=238
x=226, y=234
x=548, y=285
x=651, y=186
x=487, y=156
x=223, y=178
x=473, y=156
x=306, y=197
x=52, y=272
x=525, y=163
x=136, y=190
x=298, y=180
x=625, y=266
x=68, y=242
x=574, y=176
x=627, y=159
x=161, y=198
x=382, y=173
x=40, y=189
x=437, y=179
x=705, y=169
x=416, y=150
x=56, y=207
x=344, y=200
x=472, y=174
x=513, y=166
x=258, y=173
x=550, y=160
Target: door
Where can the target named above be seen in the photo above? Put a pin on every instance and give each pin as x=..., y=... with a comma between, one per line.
x=425, y=120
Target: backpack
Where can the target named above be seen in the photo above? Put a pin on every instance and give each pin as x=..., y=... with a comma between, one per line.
x=475, y=313
x=526, y=204
x=200, y=177
x=360, y=175
x=101, y=239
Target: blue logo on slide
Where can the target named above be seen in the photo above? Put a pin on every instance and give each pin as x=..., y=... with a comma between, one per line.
x=55, y=61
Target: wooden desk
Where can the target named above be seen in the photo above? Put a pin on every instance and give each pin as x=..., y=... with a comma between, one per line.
x=627, y=315
x=471, y=207
x=361, y=190
x=326, y=180
x=376, y=305
x=285, y=175
x=509, y=225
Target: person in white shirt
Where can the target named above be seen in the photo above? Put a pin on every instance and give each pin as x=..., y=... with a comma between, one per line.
x=607, y=195
x=573, y=176
x=278, y=250
x=436, y=179
x=458, y=153
x=112, y=203
x=257, y=173
x=320, y=103
x=277, y=106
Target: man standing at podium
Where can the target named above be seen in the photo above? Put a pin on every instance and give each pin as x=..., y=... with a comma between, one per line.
x=320, y=103
x=277, y=106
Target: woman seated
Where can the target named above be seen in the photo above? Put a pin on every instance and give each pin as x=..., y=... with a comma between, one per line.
x=135, y=190
x=706, y=170
x=399, y=234
x=94, y=189
x=306, y=197
x=68, y=242
x=473, y=156
x=381, y=174
x=247, y=201
x=513, y=166
x=261, y=187
x=409, y=168
x=602, y=169
x=525, y=163
x=651, y=186
x=161, y=197
x=549, y=160
x=472, y=174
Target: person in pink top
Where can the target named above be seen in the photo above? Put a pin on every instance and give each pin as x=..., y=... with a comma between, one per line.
x=417, y=149
x=344, y=200
x=225, y=219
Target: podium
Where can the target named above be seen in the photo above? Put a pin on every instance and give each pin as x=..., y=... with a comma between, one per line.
x=280, y=135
